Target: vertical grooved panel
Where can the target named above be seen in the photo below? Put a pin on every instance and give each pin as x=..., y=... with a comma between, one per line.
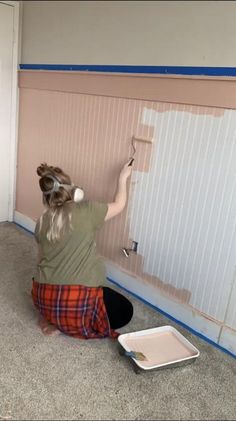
x=191, y=207
x=182, y=194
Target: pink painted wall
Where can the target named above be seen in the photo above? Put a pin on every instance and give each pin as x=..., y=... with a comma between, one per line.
x=89, y=136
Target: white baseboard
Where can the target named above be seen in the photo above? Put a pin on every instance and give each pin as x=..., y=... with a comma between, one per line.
x=24, y=221
x=155, y=297
x=225, y=338
x=228, y=339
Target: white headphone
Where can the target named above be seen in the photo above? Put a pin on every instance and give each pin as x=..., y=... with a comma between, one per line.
x=78, y=192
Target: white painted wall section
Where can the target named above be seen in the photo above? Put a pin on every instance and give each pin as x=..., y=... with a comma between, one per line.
x=183, y=212
x=230, y=319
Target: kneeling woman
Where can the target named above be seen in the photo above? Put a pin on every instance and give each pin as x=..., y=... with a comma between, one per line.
x=69, y=290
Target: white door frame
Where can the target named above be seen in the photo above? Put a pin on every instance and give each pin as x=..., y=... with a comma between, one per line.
x=14, y=104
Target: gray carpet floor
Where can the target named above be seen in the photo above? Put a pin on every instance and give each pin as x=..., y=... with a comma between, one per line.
x=49, y=378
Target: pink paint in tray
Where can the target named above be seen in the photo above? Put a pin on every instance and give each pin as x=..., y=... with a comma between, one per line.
x=162, y=346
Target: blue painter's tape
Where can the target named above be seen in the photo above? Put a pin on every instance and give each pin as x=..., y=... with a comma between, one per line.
x=194, y=332
x=168, y=70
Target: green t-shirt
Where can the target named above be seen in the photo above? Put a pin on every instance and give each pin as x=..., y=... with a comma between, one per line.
x=73, y=259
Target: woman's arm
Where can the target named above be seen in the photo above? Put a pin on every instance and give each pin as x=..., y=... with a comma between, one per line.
x=119, y=203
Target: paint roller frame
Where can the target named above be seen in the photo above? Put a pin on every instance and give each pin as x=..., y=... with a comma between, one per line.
x=138, y=139
x=142, y=139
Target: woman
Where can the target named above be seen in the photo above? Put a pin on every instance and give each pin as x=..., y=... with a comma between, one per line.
x=70, y=290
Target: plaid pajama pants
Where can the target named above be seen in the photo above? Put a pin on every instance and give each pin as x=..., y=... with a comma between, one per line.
x=76, y=310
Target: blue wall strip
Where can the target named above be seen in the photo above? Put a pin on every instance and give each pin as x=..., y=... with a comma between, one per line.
x=168, y=70
x=194, y=332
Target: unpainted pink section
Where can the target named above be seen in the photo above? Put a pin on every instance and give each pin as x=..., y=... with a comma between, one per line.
x=202, y=110
x=203, y=91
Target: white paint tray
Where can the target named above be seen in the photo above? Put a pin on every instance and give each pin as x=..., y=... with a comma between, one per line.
x=163, y=347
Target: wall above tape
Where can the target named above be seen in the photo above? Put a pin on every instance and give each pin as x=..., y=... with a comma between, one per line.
x=173, y=33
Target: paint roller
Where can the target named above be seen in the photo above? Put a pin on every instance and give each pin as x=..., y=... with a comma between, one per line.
x=126, y=251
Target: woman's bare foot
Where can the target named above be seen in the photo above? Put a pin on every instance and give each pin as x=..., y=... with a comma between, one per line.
x=47, y=328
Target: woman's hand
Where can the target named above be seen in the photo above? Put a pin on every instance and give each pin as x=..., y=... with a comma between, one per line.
x=126, y=170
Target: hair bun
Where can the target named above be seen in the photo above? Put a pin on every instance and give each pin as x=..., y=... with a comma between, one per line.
x=43, y=170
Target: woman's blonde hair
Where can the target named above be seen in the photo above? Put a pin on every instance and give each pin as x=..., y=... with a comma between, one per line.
x=58, y=215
